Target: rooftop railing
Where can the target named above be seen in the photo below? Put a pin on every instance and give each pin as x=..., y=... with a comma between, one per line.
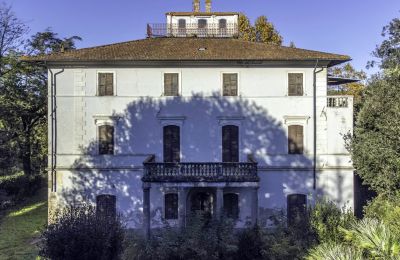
x=191, y=30
x=200, y=172
x=339, y=101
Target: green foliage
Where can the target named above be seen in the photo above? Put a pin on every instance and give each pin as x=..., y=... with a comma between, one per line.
x=332, y=251
x=375, y=145
x=327, y=219
x=79, y=233
x=262, y=31
x=19, y=185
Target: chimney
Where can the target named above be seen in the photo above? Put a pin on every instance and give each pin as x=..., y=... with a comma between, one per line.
x=208, y=6
x=196, y=6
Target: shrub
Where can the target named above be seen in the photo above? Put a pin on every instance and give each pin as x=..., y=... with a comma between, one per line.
x=332, y=251
x=20, y=185
x=78, y=233
x=326, y=219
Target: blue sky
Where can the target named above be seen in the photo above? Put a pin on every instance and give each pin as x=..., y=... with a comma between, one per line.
x=351, y=27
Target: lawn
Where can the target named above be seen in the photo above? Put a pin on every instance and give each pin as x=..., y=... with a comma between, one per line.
x=20, y=227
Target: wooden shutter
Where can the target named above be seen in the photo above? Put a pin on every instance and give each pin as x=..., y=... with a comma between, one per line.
x=230, y=143
x=296, y=208
x=231, y=205
x=105, y=84
x=295, y=84
x=171, y=142
x=106, y=139
x=171, y=84
x=296, y=139
x=106, y=206
x=171, y=206
x=230, y=84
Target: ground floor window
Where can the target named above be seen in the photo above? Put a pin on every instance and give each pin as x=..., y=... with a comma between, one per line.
x=171, y=206
x=231, y=205
x=106, y=205
x=296, y=208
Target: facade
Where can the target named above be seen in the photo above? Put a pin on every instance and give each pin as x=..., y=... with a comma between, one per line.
x=158, y=128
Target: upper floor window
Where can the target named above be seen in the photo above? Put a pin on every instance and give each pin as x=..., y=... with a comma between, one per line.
x=231, y=205
x=171, y=84
x=171, y=142
x=105, y=84
x=296, y=139
x=106, y=139
x=230, y=143
x=222, y=24
x=202, y=23
x=106, y=205
x=296, y=208
x=182, y=26
x=295, y=81
x=171, y=206
x=230, y=84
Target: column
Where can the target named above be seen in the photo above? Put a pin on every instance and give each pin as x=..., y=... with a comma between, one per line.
x=182, y=207
x=219, y=202
x=146, y=209
x=254, y=206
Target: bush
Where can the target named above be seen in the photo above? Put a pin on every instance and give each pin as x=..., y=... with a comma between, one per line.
x=78, y=233
x=20, y=185
x=332, y=251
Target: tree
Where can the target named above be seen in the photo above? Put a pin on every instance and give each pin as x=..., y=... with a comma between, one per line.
x=262, y=31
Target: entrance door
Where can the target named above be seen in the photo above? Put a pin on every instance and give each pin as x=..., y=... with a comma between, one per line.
x=203, y=202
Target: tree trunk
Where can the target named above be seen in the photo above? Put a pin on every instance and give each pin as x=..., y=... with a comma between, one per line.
x=26, y=154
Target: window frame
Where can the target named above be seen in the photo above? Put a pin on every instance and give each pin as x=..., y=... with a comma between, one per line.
x=165, y=205
x=297, y=120
x=288, y=146
x=180, y=144
x=114, y=82
x=222, y=83
x=238, y=141
x=238, y=205
x=108, y=196
x=98, y=138
x=179, y=83
x=304, y=83
x=289, y=218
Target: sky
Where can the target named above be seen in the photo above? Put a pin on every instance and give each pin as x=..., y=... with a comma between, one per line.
x=351, y=27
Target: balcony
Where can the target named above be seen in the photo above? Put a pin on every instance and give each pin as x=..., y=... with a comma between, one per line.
x=339, y=101
x=199, y=171
x=192, y=30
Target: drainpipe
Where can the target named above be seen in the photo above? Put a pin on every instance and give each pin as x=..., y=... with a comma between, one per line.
x=53, y=115
x=315, y=72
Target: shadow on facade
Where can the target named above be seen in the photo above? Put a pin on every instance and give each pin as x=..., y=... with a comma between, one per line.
x=138, y=133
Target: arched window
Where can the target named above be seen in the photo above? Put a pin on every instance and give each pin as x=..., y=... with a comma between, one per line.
x=106, y=139
x=296, y=139
x=171, y=141
x=171, y=206
x=296, y=208
x=230, y=143
x=231, y=205
x=106, y=205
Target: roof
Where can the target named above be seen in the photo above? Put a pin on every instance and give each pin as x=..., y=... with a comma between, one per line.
x=201, y=13
x=334, y=81
x=189, y=49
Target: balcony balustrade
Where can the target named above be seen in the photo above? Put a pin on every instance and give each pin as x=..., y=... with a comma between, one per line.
x=191, y=30
x=200, y=172
x=339, y=101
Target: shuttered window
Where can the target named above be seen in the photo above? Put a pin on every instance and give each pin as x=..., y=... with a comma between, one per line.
x=106, y=84
x=230, y=84
x=171, y=143
x=230, y=143
x=295, y=84
x=106, y=206
x=171, y=206
x=106, y=139
x=296, y=139
x=171, y=84
x=296, y=208
x=231, y=205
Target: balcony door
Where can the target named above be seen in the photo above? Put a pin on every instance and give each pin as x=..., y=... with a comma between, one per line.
x=230, y=143
x=171, y=143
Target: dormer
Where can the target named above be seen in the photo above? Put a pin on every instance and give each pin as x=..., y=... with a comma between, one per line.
x=197, y=23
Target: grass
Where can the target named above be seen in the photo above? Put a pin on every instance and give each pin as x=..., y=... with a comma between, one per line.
x=20, y=227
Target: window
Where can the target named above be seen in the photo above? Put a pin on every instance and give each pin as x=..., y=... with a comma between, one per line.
x=295, y=139
x=231, y=205
x=171, y=84
x=106, y=205
x=296, y=208
x=105, y=84
x=182, y=26
x=106, y=139
x=171, y=206
x=230, y=143
x=230, y=84
x=295, y=84
x=222, y=24
x=202, y=23
x=171, y=140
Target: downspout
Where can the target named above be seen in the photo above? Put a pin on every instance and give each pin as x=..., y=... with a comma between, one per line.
x=53, y=115
x=315, y=72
